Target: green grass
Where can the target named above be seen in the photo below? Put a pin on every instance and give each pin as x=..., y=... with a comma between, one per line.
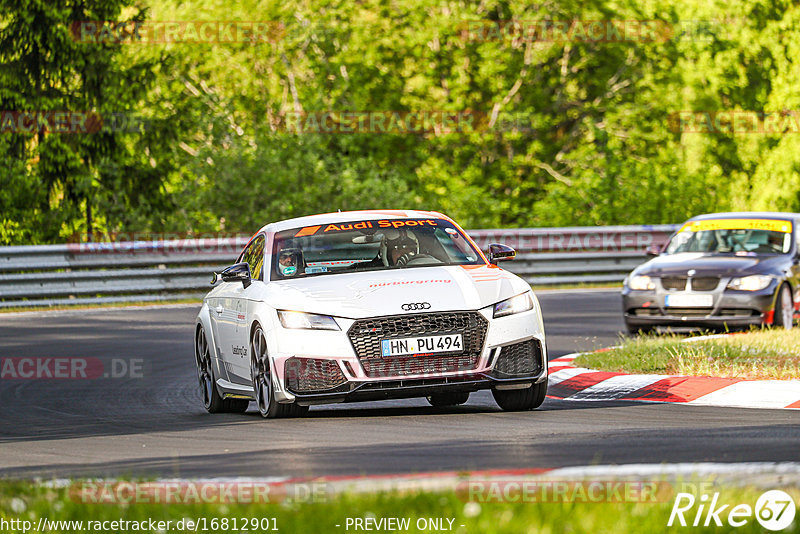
x=765, y=354
x=30, y=502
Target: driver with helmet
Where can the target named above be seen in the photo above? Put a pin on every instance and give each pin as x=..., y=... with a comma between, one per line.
x=398, y=247
x=290, y=261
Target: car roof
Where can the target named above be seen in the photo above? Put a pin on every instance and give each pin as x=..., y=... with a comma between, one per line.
x=748, y=215
x=345, y=216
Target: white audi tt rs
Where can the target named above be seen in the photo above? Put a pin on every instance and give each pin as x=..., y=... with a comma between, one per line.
x=368, y=305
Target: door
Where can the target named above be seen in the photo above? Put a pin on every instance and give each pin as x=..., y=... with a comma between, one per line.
x=235, y=309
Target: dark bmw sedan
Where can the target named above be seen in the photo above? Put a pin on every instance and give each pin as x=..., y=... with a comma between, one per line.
x=722, y=270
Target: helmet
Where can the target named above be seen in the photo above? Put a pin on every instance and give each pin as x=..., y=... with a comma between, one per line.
x=397, y=241
x=290, y=261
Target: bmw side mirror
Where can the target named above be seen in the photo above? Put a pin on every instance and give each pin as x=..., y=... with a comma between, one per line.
x=498, y=252
x=653, y=251
x=238, y=272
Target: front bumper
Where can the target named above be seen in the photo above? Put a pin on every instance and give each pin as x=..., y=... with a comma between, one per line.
x=418, y=387
x=730, y=308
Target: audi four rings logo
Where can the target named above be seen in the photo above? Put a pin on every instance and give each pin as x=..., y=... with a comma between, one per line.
x=416, y=306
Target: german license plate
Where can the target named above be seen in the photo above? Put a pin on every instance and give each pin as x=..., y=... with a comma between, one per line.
x=421, y=345
x=689, y=301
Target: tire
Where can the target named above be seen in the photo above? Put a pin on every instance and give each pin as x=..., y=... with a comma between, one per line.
x=448, y=399
x=784, y=308
x=516, y=400
x=261, y=375
x=212, y=401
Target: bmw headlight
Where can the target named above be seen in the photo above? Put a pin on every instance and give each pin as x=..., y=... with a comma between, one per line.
x=308, y=321
x=641, y=283
x=518, y=304
x=755, y=282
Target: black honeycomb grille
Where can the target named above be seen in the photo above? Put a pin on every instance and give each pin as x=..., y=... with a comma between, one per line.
x=366, y=336
x=307, y=374
x=419, y=365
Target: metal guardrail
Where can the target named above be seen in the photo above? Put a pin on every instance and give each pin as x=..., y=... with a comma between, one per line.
x=50, y=275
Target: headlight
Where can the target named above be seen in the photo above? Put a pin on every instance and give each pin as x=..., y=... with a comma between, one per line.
x=641, y=283
x=310, y=321
x=756, y=282
x=518, y=304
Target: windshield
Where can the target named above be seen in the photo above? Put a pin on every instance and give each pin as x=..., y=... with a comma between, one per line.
x=742, y=237
x=369, y=245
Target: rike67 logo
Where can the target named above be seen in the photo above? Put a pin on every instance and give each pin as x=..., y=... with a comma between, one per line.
x=774, y=510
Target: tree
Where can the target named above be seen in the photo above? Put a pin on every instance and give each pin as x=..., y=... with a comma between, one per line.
x=58, y=184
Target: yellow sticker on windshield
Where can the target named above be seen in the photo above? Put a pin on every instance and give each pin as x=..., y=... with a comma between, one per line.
x=772, y=225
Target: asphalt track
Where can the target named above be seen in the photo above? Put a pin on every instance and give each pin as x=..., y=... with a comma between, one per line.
x=156, y=426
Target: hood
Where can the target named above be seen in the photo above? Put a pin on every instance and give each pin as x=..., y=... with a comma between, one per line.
x=369, y=294
x=708, y=265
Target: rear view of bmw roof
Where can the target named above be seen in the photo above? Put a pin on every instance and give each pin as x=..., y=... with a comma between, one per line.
x=748, y=215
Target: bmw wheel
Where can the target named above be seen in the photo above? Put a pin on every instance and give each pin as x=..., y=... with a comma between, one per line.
x=261, y=374
x=212, y=400
x=784, y=308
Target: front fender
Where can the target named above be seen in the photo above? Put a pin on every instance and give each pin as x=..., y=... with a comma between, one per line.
x=265, y=315
x=204, y=320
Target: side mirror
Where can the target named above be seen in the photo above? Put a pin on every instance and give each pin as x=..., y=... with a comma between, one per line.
x=653, y=251
x=238, y=272
x=498, y=252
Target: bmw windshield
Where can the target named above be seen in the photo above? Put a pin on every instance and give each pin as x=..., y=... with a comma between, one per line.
x=369, y=245
x=739, y=237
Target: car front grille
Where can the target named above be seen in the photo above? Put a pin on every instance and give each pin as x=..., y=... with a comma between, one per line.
x=688, y=312
x=519, y=359
x=694, y=312
x=673, y=282
x=705, y=283
x=679, y=283
x=418, y=365
x=305, y=375
x=737, y=312
x=366, y=336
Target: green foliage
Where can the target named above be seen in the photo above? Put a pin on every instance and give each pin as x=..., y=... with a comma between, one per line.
x=480, y=505
x=60, y=184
